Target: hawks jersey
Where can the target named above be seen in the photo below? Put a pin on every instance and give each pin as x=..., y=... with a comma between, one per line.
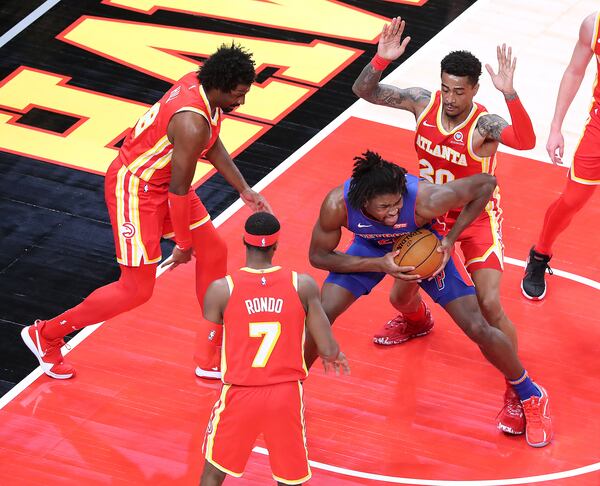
x=596, y=49
x=146, y=151
x=448, y=155
x=263, y=336
x=378, y=233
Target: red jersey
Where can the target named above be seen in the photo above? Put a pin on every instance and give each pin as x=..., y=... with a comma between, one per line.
x=263, y=336
x=146, y=151
x=596, y=49
x=445, y=156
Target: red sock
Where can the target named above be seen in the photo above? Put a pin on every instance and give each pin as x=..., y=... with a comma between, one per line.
x=561, y=212
x=211, y=258
x=418, y=315
x=133, y=288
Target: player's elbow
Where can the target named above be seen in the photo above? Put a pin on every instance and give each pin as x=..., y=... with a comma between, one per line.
x=489, y=183
x=317, y=258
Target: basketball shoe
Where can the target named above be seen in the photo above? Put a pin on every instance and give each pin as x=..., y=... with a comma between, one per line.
x=399, y=330
x=538, y=430
x=511, y=419
x=47, y=351
x=209, y=373
x=533, y=284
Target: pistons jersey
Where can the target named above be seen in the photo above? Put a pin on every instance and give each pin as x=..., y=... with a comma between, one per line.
x=381, y=235
x=147, y=151
x=263, y=335
x=448, y=155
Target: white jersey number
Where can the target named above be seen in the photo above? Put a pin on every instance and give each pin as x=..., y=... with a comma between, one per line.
x=146, y=120
x=269, y=332
x=440, y=176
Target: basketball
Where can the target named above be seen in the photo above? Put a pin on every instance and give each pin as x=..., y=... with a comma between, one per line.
x=418, y=249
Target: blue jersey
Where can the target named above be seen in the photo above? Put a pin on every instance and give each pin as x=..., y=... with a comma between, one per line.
x=379, y=234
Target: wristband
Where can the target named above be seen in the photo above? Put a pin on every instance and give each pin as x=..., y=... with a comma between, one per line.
x=379, y=63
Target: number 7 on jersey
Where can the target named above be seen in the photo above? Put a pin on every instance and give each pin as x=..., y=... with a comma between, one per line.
x=269, y=332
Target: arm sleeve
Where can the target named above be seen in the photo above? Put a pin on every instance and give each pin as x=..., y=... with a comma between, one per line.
x=520, y=134
x=208, y=344
x=179, y=211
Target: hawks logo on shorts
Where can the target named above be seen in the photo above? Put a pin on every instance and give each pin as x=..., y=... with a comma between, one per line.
x=128, y=230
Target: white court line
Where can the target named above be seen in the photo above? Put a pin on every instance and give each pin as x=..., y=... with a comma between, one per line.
x=436, y=482
x=27, y=21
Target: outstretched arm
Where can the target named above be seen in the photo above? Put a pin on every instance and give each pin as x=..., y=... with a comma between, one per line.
x=469, y=193
x=569, y=85
x=367, y=86
x=520, y=134
x=222, y=161
x=318, y=325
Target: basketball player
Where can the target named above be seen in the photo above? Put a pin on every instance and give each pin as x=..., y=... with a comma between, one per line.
x=584, y=174
x=456, y=137
x=148, y=194
x=379, y=203
x=259, y=314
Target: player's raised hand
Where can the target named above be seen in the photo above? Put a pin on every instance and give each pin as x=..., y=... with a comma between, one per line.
x=555, y=146
x=503, y=79
x=339, y=363
x=391, y=45
x=255, y=201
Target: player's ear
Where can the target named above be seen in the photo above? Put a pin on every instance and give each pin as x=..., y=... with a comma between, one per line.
x=475, y=89
x=275, y=245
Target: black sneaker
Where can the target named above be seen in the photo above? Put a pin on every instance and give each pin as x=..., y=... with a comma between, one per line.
x=533, y=284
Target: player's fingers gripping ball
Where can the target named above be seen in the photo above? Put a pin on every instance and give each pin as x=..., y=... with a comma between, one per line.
x=418, y=249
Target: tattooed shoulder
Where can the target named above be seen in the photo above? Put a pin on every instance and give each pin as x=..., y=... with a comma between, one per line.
x=491, y=126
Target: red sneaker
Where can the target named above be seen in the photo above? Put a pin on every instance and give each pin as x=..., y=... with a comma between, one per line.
x=511, y=419
x=399, y=330
x=539, y=430
x=47, y=351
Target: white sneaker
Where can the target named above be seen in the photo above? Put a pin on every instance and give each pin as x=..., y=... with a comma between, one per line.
x=210, y=374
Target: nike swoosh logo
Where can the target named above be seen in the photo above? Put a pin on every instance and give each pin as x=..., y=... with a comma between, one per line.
x=428, y=124
x=364, y=225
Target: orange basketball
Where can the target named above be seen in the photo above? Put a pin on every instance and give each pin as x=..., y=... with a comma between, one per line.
x=418, y=249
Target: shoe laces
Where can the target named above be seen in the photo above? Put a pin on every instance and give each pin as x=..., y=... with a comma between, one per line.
x=396, y=322
x=532, y=410
x=514, y=407
x=537, y=268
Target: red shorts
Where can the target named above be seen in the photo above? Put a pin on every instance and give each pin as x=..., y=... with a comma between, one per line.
x=481, y=242
x=242, y=413
x=586, y=161
x=139, y=215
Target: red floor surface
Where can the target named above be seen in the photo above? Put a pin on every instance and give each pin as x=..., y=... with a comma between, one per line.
x=135, y=413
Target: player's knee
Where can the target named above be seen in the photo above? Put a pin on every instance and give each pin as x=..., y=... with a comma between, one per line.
x=491, y=308
x=477, y=329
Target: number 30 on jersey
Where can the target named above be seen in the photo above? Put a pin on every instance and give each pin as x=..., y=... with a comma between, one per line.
x=440, y=176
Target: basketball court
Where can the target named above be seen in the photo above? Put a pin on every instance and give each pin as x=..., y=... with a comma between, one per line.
x=421, y=413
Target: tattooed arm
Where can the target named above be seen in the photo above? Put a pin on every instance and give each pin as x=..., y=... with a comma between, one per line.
x=490, y=127
x=368, y=87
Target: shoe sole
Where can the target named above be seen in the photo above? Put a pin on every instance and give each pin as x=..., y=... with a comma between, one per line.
x=509, y=430
x=44, y=366
x=541, y=444
x=530, y=297
x=380, y=341
x=210, y=375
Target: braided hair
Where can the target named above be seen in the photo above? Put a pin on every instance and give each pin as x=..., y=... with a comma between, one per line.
x=374, y=176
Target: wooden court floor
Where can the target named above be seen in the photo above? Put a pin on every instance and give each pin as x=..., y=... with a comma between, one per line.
x=419, y=413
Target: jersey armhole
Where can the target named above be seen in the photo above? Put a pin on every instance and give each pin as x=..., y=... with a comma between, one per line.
x=427, y=109
x=229, y=281
x=595, y=34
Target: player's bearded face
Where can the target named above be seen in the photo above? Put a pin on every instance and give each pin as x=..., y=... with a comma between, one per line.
x=457, y=95
x=384, y=208
x=231, y=100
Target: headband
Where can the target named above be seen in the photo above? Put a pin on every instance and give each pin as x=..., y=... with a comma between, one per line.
x=261, y=240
